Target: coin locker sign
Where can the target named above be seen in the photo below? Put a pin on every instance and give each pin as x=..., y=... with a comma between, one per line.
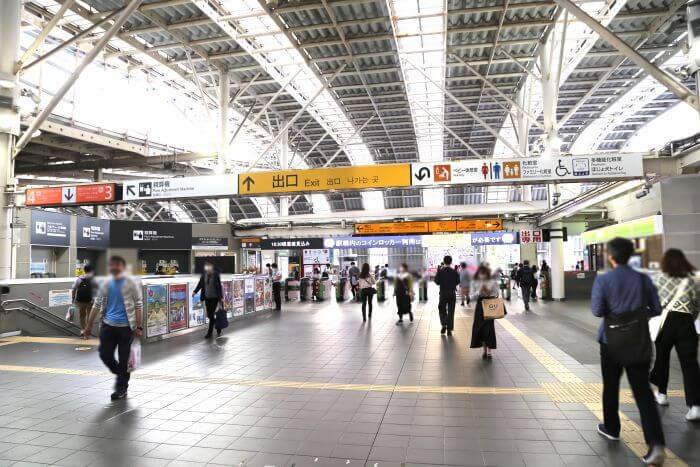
x=524, y=170
x=325, y=179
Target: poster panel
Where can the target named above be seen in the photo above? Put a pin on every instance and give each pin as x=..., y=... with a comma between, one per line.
x=259, y=293
x=268, y=295
x=238, y=296
x=249, y=291
x=60, y=298
x=198, y=315
x=177, y=306
x=227, y=290
x=156, y=309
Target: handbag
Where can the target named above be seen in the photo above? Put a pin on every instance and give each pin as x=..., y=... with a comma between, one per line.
x=627, y=335
x=221, y=318
x=657, y=322
x=494, y=308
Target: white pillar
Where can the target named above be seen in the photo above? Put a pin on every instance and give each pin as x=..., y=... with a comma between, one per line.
x=97, y=177
x=10, y=17
x=557, y=266
x=284, y=165
x=224, y=90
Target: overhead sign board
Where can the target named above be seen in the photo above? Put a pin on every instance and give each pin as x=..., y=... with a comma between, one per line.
x=373, y=241
x=209, y=243
x=92, y=233
x=50, y=228
x=209, y=186
x=423, y=227
x=531, y=236
x=325, y=179
x=494, y=238
x=93, y=193
x=151, y=235
x=528, y=170
x=290, y=243
x=637, y=228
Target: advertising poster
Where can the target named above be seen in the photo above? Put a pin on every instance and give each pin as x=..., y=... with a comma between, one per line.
x=238, y=297
x=259, y=293
x=249, y=294
x=268, y=295
x=177, y=306
x=60, y=298
x=198, y=315
x=156, y=310
x=227, y=289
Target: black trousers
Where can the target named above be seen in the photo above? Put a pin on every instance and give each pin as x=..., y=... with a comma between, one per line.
x=446, y=308
x=277, y=295
x=678, y=332
x=116, y=338
x=533, y=291
x=366, y=295
x=210, y=304
x=638, y=377
x=526, y=295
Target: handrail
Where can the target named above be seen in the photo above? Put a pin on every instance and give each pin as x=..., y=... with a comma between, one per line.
x=42, y=314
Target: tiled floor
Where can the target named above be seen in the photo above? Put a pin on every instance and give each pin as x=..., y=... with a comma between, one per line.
x=315, y=386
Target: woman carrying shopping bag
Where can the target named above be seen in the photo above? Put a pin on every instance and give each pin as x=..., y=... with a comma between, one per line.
x=484, y=288
x=676, y=328
x=366, y=284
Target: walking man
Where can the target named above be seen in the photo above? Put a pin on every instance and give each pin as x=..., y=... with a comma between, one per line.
x=277, y=287
x=119, y=304
x=526, y=279
x=354, y=277
x=211, y=294
x=620, y=291
x=448, y=279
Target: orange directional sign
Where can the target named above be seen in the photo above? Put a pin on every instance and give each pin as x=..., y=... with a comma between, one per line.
x=424, y=227
x=92, y=193
x=325, y=179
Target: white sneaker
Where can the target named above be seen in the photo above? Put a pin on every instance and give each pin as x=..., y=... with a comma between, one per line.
x=693, y=414
x=661, y=399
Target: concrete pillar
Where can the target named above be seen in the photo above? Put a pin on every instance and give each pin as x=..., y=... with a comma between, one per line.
x=557, y=266
x=224, y=91
x=97, y=177
x=10, y=17
x=284, y=165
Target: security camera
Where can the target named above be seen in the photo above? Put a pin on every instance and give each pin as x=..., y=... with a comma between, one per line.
x=555, y=198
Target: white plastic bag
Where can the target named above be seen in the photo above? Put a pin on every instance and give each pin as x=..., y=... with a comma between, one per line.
x=134, y=356
x=70, y=314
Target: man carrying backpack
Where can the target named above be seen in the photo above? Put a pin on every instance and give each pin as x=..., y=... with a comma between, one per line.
x=526, y=279
x=626, y=299
x=83, y=293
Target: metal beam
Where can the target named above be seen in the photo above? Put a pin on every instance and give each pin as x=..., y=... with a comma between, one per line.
x=58, y=96
x=655, y=72
x=39, y=41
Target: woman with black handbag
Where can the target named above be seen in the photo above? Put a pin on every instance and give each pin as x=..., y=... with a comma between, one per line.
x=677, y=329
x=366, y=284
x=483, y=330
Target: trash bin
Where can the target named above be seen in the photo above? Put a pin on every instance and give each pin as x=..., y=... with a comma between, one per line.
x=305, y=289
x=505, y=287
x=340, y=289
x=423, y=290
x=291, y=289
x=381, y=290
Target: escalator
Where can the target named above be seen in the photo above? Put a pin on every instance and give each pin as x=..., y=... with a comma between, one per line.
x=40, y=314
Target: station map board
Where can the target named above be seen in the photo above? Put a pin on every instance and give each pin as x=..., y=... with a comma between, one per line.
x=424, y=227
x=325, y=179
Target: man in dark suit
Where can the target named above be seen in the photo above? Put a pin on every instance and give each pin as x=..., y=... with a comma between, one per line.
x=211, y=294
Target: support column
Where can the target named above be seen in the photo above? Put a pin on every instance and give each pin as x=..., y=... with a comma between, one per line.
x=10, y=18
x=284, y=165
x=97, y=177
x=224, y=90
x=552, y=143
x=557, y=266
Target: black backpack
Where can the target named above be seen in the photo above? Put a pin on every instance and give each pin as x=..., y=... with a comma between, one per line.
x=527, y=276
x=627, y=334
x=83, y=293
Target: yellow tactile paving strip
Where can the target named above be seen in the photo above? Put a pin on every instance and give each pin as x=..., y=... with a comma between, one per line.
x=48, y=340
x=573, y=389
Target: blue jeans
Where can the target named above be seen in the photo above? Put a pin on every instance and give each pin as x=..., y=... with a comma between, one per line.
x=116, y=338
